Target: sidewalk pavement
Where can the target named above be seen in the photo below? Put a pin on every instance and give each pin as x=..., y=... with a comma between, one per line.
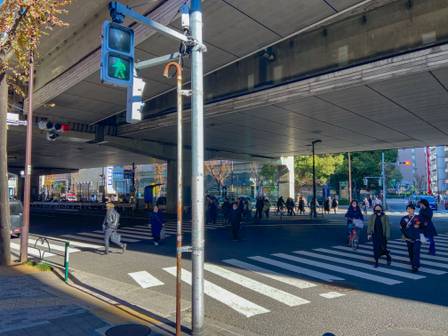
x=34, y=303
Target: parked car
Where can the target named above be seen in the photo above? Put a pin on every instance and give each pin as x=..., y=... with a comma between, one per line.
x=431, y=200
x=16, y=215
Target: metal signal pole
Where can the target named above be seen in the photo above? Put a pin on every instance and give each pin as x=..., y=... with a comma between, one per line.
x=180, y=205
x=28, y=150
x=350, y=193
x=197, y=196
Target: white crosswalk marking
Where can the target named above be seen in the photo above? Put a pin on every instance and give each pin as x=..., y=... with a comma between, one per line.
x=53, y=246
x=398, y=251
x=381, y=261
x=343, y=270
x=237, y=303
x=32, y=251
x=302, y=284
x=298, y=269
x=370, y=252
x=145, y=279
x=256, y=286
x=84, y=239
x=81, y=245
x=400, y=246
x=100, y=236
x=361, y=265
x=331, y=295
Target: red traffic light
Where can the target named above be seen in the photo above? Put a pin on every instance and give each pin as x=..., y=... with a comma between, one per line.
x=406, y=163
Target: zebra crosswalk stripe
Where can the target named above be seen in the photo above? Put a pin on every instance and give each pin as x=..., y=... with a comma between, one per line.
x=55, y=247
x=343, y=270
x=236, y=302
x=256, y=286
x=80, y=244
x=32, y=251
x=298, y=269
x=440, y=251
x=398, y=251
x=382, y=261
x=302, y=284
x=370, y=252
x=362, y=265
x=100, y=236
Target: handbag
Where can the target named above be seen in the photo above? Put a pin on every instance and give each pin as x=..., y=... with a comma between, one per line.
x=162, y=234
x=116, y=237
x=423, y=239
x=358, y=223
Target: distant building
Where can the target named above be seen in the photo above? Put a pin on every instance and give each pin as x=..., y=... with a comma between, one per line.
x=412, y=165
x=439, y=169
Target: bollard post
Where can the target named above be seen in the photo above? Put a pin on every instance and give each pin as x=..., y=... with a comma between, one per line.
x=66, y=261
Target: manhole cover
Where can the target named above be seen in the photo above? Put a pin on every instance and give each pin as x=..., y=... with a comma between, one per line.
x=129, y=330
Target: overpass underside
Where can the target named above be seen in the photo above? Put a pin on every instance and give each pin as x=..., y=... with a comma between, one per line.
x=372, y=78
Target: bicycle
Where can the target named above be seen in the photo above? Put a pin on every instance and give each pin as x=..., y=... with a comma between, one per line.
x=354, y=238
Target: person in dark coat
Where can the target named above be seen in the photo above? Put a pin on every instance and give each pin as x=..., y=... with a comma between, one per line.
x=156, y=225
x=259, y=208
x=280, y=205
x=428, y=227
x=235, y=221
x=378, y=229
x=226, y=208
x=327, y=204
x=334, y=204
x=353, y=212
x=266, y=207
x=301, y=205
x=411, y=229
x=290, y=206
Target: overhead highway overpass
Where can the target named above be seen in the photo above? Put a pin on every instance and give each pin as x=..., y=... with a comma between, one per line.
x=358, y=75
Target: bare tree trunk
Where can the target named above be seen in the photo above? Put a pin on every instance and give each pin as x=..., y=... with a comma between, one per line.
x=5, y=234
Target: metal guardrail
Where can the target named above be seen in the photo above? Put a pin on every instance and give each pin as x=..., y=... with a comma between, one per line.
x=45, y=242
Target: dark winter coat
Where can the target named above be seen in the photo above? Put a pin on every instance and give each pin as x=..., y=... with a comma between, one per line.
x=156, y=223
x=410, y=232
x=428, y=227
x=353, y=214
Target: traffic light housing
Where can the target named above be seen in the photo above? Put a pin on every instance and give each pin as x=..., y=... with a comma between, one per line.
x=117, y=54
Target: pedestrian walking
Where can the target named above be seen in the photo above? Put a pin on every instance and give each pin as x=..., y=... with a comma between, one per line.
x=280, y=205
x=111, y=223
x=428, y=227
x=235, y=221
x=378, y=230
x=226, y=208
x=266, y=207
x=290, y=206
x=327, y=205
x=259, y=208
x=353, y=215
x=301, y=205
x=335, y=204
x=411, y=230
x=156, y=225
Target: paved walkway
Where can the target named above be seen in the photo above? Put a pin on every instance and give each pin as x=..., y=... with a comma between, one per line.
x=39, y=304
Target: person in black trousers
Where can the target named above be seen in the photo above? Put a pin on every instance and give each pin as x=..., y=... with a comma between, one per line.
x=235, y=221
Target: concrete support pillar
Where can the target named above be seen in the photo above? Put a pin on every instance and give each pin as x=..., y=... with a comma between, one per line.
x=171, y=185
x=287, y=181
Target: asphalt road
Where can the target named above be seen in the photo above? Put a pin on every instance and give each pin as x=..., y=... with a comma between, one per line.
x=291, y=289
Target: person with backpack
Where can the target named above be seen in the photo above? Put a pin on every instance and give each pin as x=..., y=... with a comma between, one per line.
x=111, y=223
x=411, y=230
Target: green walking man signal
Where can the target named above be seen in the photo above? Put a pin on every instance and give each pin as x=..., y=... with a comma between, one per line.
x=117, y=54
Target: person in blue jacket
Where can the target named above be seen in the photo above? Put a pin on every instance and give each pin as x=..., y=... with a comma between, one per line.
x=353, y=212
x=411, y=229
x=156, y=225
x=428, y=227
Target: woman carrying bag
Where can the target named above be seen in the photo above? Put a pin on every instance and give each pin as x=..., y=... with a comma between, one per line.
x=378, y=229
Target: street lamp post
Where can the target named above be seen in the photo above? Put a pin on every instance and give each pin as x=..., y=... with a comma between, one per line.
x=314, y=202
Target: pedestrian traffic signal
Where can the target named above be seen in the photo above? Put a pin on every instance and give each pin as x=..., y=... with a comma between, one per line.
x=117, y=54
